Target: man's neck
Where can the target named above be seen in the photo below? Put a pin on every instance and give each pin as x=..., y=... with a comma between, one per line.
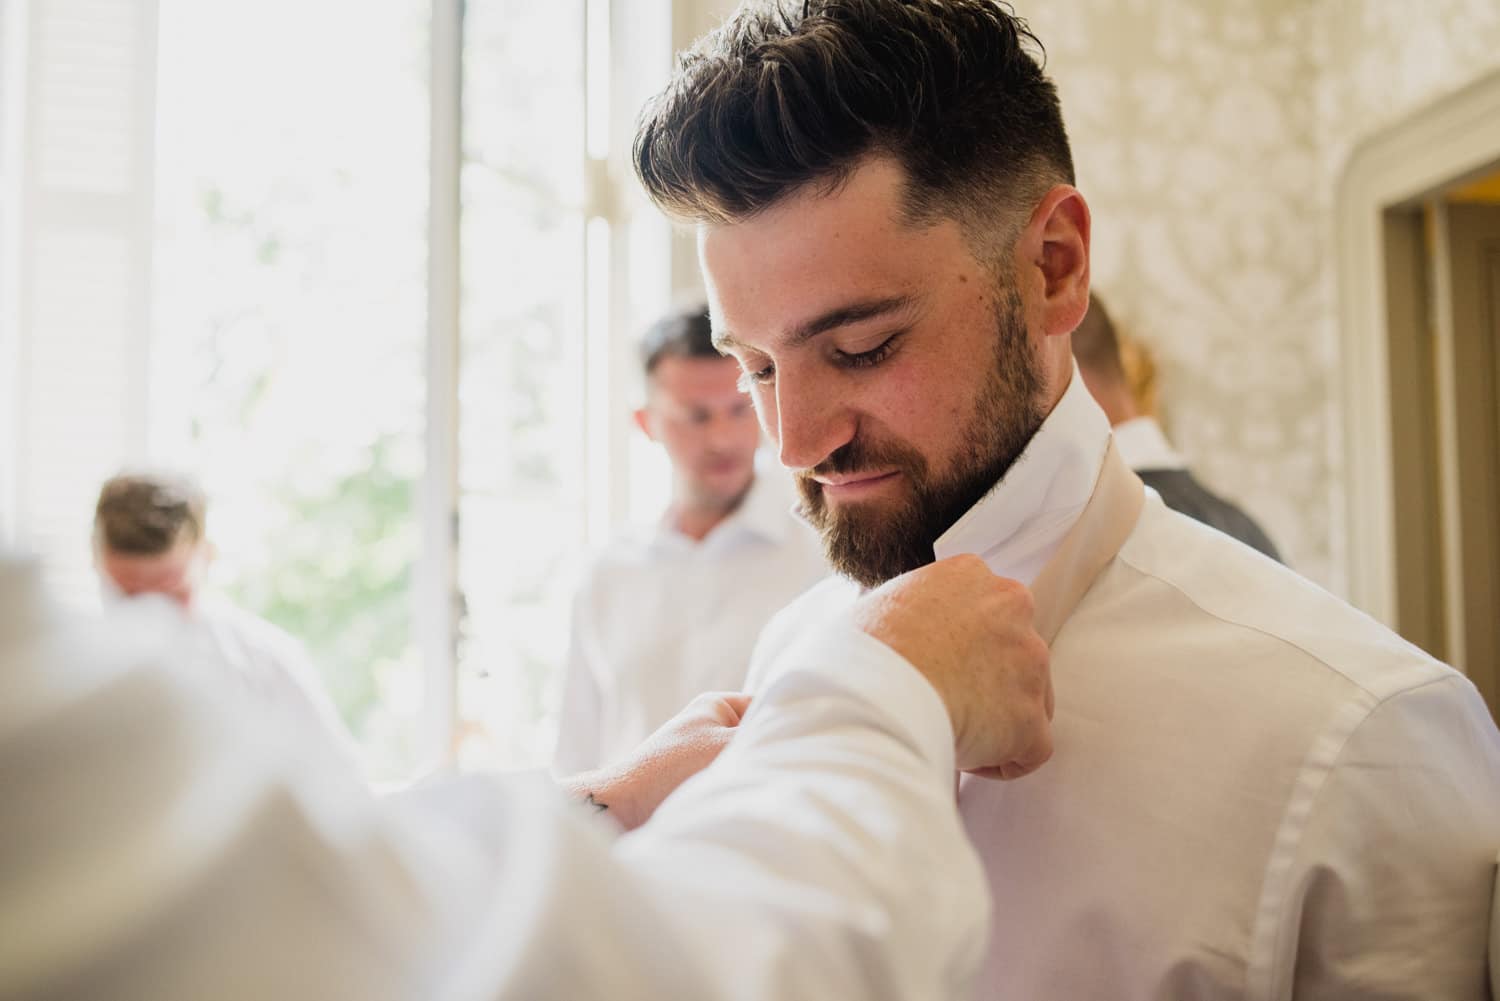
x=695, y=518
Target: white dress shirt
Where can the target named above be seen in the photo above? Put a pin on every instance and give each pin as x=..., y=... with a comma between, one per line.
x=155, y=848
x=266, y=665
x=660, y=618
x=1257, y=792
x=1144, y=445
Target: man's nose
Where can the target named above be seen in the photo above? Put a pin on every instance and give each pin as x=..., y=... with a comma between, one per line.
x=812, y=420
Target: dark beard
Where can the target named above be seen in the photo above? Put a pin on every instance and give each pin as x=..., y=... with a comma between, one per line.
x=871, y=545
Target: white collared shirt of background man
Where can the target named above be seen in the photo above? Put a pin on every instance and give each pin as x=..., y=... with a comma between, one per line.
x=660, y=618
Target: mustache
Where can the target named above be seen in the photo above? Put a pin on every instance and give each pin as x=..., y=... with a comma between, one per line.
x=861, y=454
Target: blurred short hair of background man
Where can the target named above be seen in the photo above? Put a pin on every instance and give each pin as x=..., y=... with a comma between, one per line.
x=1142, y=442
x=150, y=539
x=668, y=613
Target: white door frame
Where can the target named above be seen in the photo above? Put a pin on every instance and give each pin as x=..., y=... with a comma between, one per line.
x=1431, y=149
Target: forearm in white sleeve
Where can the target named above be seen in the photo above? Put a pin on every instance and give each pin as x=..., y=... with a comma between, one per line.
x=820, y=857
x=156, y=848
x=1395, y=865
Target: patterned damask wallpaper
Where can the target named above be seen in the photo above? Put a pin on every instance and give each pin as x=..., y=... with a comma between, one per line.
x=1210, y=136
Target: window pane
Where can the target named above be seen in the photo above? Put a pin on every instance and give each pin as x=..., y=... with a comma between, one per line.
x=290, y=323
x=522, y=402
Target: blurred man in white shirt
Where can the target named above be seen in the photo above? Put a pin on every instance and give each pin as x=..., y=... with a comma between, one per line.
x=664, y=614
x=150, y=539
x=155, y=849
x=1258, y=793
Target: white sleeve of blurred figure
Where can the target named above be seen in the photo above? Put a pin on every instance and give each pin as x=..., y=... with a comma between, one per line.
x=278, y=670
x=581, y=719
x=310, y=688
x=149, y=852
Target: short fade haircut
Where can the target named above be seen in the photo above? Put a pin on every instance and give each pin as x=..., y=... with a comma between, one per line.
x=683, y=333
x=1096, y=345
x=787, y=94
x=142, y=514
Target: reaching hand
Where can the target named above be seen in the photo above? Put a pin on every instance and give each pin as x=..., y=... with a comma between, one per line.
x=970, y=634
x=686, y=744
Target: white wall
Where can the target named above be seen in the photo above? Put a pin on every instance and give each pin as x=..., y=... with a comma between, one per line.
x=1210, y=139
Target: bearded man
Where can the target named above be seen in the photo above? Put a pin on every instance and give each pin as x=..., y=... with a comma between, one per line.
x=1257, y=792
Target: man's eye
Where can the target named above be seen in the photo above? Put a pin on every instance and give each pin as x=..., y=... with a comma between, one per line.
x=756, y=377
x=866, y=359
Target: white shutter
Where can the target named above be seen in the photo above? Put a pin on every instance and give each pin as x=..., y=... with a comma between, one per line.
x=83, y=267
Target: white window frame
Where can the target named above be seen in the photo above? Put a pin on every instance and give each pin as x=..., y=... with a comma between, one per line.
x=436, y=590
x=12, y=76
x=1403, y=164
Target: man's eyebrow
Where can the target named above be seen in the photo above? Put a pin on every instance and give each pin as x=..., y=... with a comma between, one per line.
x=840, y=316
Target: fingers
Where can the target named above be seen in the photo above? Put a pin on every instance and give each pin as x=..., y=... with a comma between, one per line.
x=724, y=708
x=738, y=701
x=1035, y=756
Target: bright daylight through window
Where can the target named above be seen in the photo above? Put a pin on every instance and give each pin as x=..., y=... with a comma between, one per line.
x=290, y=332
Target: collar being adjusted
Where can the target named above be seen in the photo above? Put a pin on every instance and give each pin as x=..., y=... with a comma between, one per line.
x=1019, y=524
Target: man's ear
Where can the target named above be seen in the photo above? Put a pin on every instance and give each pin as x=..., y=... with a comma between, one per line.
x=642, y=420
x=1056, y=246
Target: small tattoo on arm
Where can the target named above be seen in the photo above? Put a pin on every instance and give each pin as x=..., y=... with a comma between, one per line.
x=598, y=806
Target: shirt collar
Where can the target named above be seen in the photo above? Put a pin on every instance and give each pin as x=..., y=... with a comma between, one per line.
x=1143, y=445
x=1017, y=526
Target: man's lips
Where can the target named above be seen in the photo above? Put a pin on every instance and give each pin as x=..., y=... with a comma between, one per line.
x=854, y=485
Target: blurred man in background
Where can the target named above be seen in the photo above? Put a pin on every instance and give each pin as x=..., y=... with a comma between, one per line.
x=1139, y=436
x=150, y=540
x=664, y=615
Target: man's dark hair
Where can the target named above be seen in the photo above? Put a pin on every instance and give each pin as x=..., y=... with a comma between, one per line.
x=1095, y=344
x=787, y=94
x=146, y=515
x=683, y=333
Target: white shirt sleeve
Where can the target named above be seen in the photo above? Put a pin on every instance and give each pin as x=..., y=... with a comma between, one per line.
x=1395, y=867
x=274, y=669
x=155, y=849
x=294, y=660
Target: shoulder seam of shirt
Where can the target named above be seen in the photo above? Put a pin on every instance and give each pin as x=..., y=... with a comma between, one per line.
x=1298, y=815
x=1302, y=803
x=1320, y=660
